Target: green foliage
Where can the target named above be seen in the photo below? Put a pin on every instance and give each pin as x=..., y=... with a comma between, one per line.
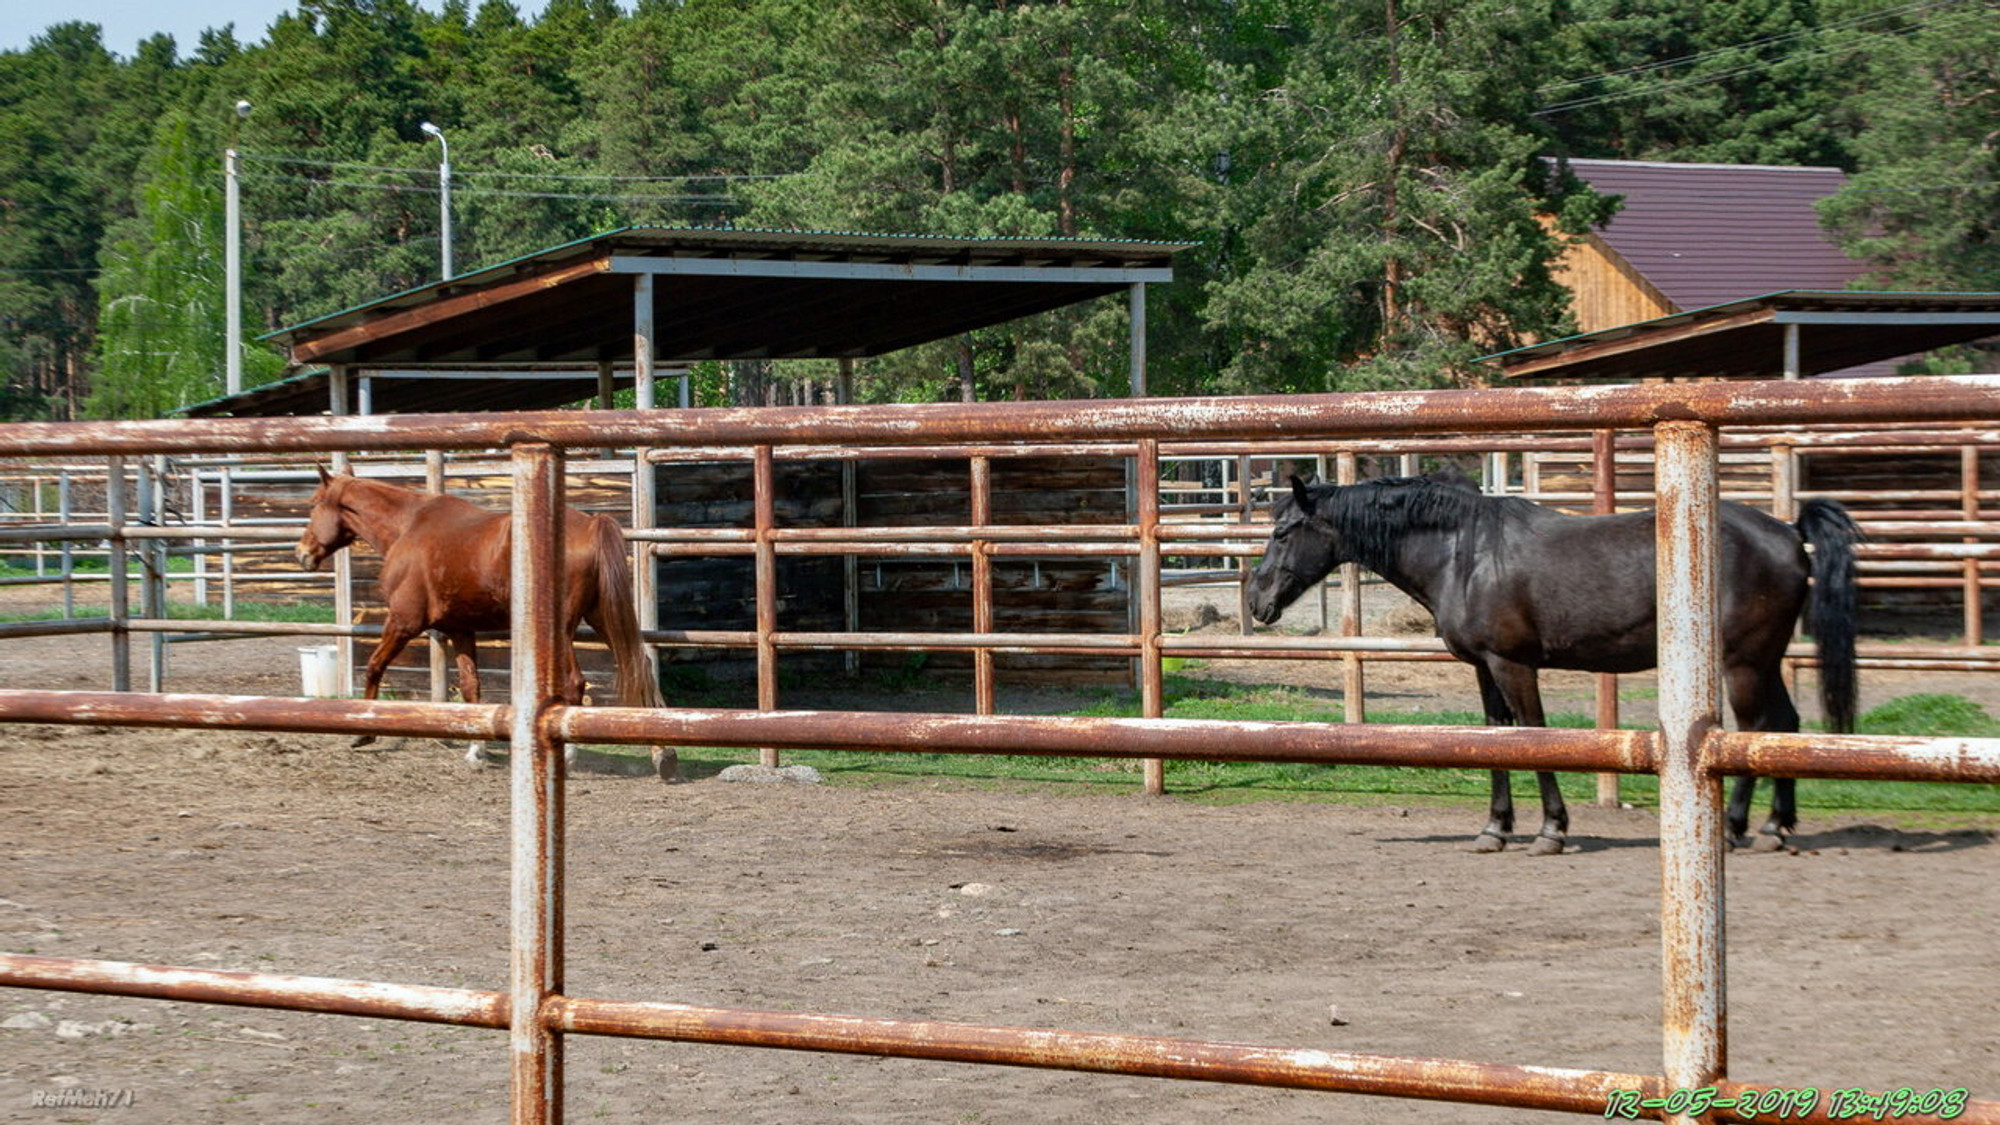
x=1367, y=183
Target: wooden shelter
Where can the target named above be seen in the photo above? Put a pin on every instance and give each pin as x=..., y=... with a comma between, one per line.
x=577, y=322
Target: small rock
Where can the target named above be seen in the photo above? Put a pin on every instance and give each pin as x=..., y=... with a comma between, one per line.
x=974, y=890
x=766, y=775
x=27, y=1021
x=75, y=1029
x=710, y=946
x=256, y=1034
x=815, y=962
x=1333, y=1016
x=1008, y=932
x=184, y=812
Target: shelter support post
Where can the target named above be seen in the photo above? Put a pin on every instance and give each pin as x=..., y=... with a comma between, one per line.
x=645, y=350
x=850, y=565
x=1604, y=501
x=1354, y=705
x=343, y=561
x=1690, y=685
x=153, y=566
x=536, y=766
x=1137, y=302
x=1791, y=359
x=1146, y=587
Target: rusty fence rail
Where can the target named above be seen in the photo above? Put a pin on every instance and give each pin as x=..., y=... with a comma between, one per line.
x=1690, y=753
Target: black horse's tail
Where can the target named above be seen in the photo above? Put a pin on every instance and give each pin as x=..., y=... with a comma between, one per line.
x=1831, y=617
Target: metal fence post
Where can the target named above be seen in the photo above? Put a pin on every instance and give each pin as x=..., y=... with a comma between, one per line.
x=764, y=502
x=114, y=516
x=1354, y=705
x=1146, y=587
x=1690, y=685
x=984, y=691
x=437, y=659
x=536, y=767
x=1604, y=502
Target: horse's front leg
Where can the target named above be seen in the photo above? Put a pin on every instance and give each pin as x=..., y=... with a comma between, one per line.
x=396, y=635
x=1500, y=813
x=1520, y=686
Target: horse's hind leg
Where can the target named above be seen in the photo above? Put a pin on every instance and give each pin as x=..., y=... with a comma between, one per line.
x=1500, y=815
x=465, y=659
x=1758, y=697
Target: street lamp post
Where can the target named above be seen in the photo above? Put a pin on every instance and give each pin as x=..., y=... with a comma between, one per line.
x=444, y=191
x=232, y=261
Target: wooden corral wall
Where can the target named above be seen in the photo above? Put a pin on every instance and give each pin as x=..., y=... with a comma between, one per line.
x=902, y=595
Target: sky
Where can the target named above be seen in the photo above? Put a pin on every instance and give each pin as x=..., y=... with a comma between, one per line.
x=127, y=22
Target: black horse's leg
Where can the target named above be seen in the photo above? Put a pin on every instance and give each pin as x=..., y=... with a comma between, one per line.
x=1500, y=818
x=1519, y=686
x=1758, y=697
x=1739, y=811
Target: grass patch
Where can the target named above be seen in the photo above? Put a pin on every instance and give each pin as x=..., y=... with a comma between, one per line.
x=1189, y=698
x=290, y=612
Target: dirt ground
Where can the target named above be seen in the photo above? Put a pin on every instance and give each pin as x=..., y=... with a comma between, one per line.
x=1866, y=959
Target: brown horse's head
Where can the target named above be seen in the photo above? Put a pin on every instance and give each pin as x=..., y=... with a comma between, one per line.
x=326, y=527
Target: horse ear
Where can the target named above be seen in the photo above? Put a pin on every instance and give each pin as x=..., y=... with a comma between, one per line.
x=323, y=477
x=1301, y=495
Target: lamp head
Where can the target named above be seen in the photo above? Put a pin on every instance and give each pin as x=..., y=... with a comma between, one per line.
x=242, y=109
x=432, y=130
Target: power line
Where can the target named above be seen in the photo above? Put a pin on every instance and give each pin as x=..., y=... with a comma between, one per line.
x=1747, y=68
x=430, y=189
x=1699, y=56
x=305, y=162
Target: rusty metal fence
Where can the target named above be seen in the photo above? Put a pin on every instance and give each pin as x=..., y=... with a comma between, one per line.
x=1690, y=753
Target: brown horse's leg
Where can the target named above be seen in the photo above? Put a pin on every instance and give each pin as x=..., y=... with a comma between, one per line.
x=465, y=657
x=396, y=636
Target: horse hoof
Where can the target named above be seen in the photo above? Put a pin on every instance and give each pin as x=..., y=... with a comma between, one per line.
x=1488, y=842
x=1546, y=845
x=477, y=755
x=667, y=764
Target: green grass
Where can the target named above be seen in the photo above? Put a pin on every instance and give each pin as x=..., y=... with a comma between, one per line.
x=245, y=611
x=1926, y=715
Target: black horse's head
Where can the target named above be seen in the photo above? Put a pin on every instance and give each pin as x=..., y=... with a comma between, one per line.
x=1304, y=549
x=326, y=528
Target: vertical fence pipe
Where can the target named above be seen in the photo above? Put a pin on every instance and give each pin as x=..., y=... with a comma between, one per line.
x=63, y=509
x=983, y=691
x=536, y=768
x=1354, y=705
x=153, y=566
x=1243, y=513
x=1146, y=587
x=433, y=644
x=40, y=549
x=198, y=497
x=1968, y=482
x=226, y=499
x=114, y=517
x=763, y=482
x=1319, y=474
x=1691, y=838
x=1604, y=501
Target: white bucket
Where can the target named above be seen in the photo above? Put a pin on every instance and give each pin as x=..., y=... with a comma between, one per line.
x=319, y=671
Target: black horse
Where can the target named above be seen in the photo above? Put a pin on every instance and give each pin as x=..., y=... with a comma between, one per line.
x=1516, y=587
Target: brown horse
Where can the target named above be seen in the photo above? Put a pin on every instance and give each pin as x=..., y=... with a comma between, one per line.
x=445, y=567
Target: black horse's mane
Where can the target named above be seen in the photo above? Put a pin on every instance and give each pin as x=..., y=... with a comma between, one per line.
x=1374, y=516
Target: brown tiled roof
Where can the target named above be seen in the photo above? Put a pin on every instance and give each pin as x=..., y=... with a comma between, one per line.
x=1708, y=234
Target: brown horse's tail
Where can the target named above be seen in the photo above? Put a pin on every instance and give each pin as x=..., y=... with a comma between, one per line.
x=637, y=686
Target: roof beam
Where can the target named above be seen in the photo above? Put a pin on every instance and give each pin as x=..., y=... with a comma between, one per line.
x=1859, y=319
x=884, y=271
x=306, y=351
